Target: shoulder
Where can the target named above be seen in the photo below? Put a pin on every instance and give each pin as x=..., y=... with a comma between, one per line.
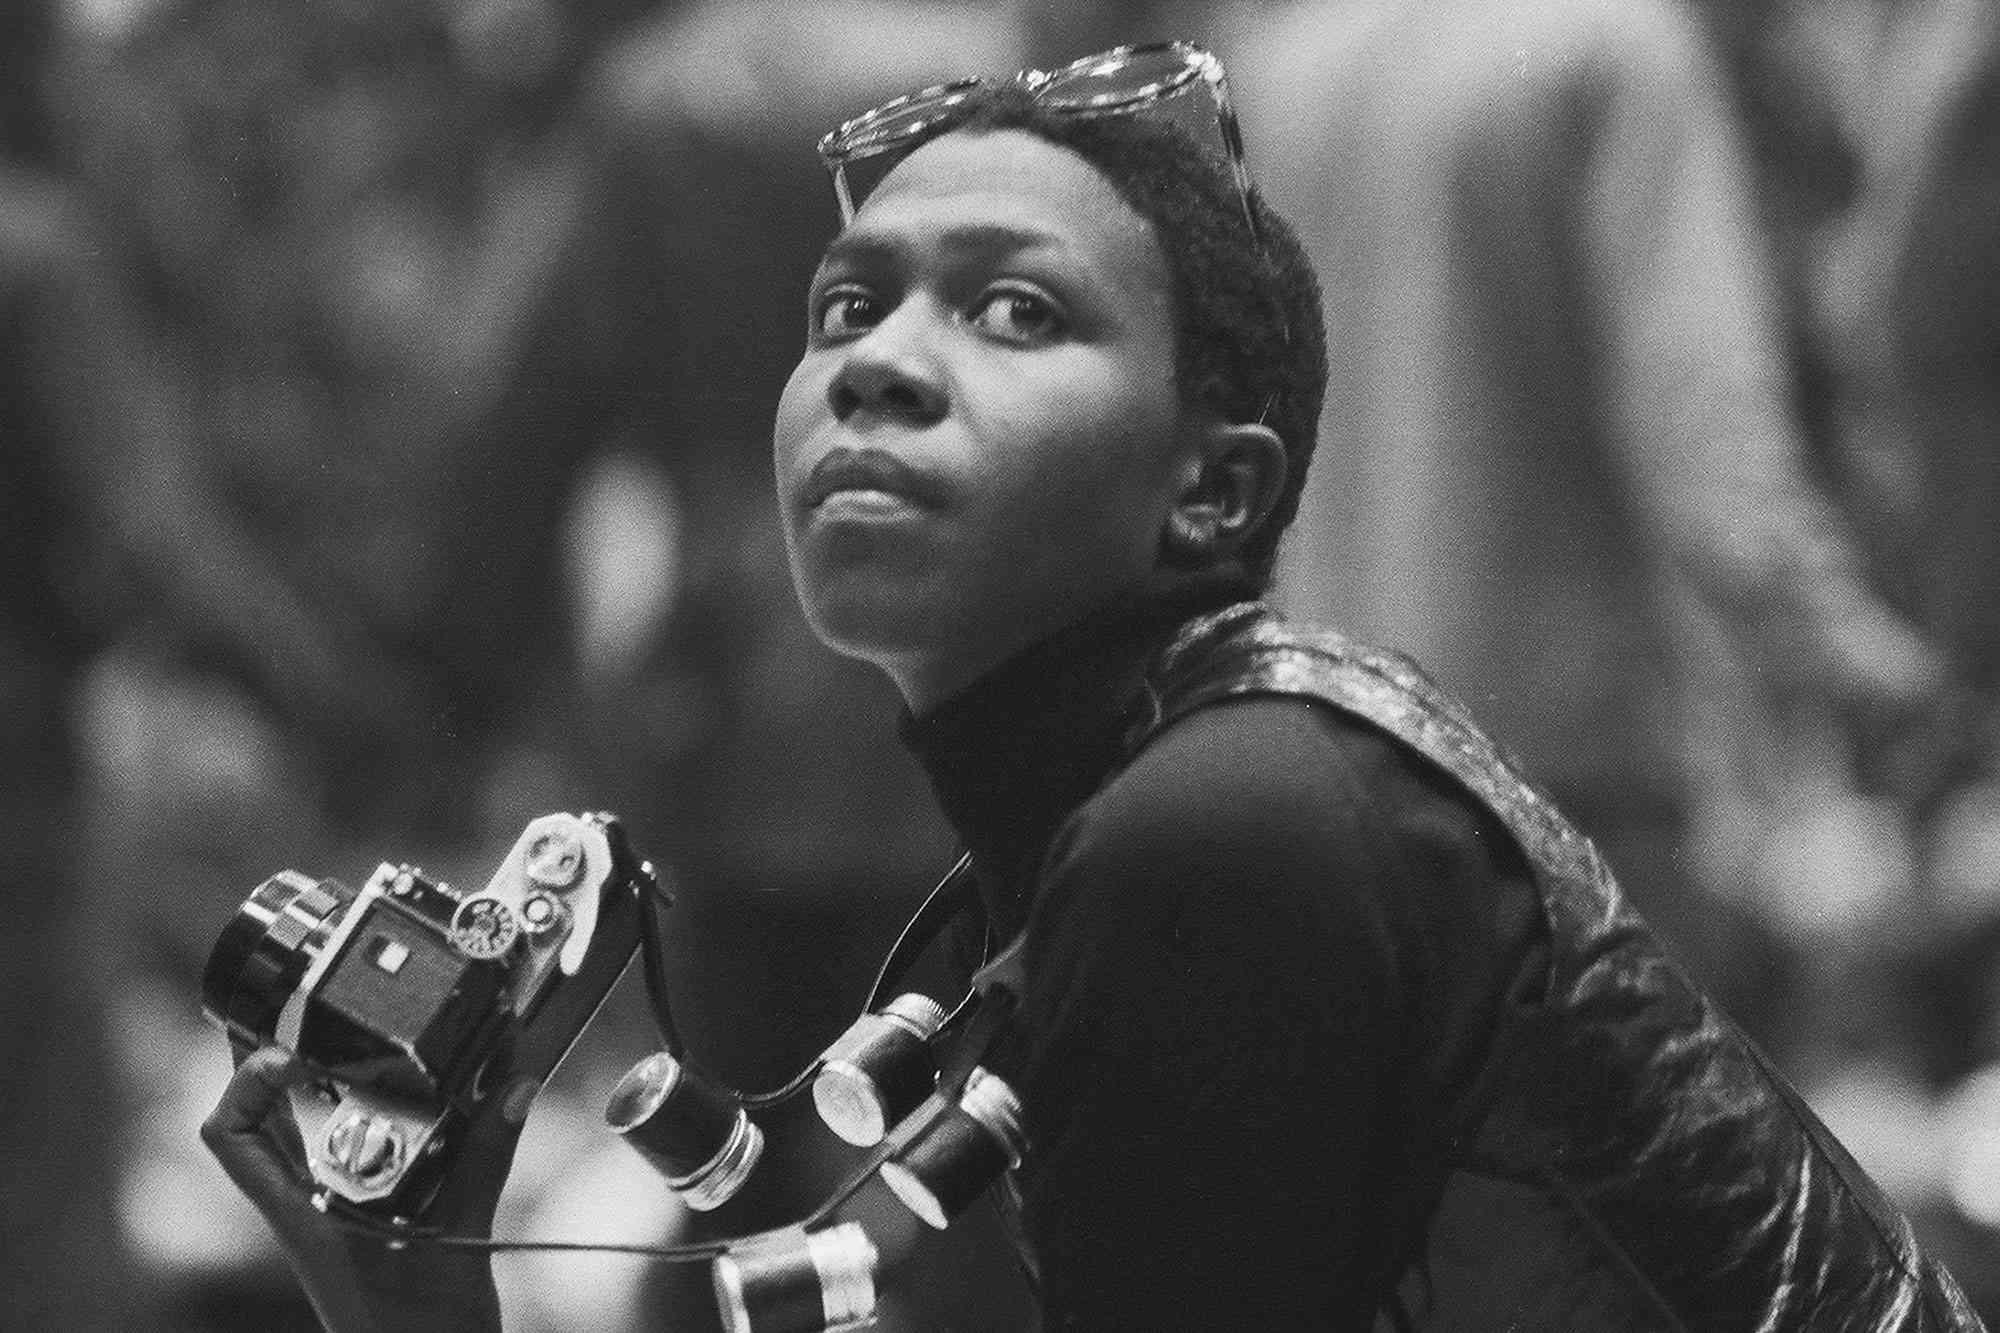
x=1272, y=802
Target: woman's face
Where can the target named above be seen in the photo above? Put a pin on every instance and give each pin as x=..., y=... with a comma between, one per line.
x=984, y=437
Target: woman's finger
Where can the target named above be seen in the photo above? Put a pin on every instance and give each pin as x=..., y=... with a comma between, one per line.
x=252, y=1120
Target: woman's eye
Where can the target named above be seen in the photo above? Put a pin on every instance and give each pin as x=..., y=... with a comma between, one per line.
x=845, y=312
x=1016, y=316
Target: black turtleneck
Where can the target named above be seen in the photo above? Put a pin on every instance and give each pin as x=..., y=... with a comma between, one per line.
x=1014, y=753
x=1263, y=955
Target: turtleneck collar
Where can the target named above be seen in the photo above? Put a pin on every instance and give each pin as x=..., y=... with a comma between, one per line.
x=1012, y=754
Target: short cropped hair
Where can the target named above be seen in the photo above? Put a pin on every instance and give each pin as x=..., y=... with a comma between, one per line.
x=1249, y=338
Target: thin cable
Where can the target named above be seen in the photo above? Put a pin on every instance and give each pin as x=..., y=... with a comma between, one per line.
x=344, y=1215
x=946, y=900
x=949, y=897
x=764, y=1101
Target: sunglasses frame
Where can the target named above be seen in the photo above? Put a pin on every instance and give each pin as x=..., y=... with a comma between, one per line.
x=904, y=122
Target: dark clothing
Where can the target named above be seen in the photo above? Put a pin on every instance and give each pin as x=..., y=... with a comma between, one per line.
x=1266, y=886
x=1317, y=990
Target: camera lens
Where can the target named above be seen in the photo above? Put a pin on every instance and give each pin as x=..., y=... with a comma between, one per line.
x=692, y=1129
x=265, y=950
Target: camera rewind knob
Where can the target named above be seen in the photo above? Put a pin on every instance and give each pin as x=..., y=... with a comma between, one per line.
x=554, y=859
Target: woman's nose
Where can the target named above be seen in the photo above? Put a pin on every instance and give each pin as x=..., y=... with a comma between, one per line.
x=891, y=371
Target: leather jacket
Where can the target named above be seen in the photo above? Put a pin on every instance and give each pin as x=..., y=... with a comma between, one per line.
x=1634, y=1162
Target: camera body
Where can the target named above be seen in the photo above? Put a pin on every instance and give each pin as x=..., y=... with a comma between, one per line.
x=415, y=1004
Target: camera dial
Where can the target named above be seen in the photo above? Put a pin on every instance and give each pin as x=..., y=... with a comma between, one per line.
x=484, y=927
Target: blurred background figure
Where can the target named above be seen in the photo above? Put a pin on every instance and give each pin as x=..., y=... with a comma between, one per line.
x=1898, y=295
x=388, y=403
x=62, y=1091
x=424, y=412
x=331, y=516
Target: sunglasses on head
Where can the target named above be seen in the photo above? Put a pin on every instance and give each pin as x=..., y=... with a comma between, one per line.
x=1157, y=78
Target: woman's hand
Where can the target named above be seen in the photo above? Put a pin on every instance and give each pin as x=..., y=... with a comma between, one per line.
x=357, y=1281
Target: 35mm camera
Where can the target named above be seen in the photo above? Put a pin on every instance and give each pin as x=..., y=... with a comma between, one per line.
x=415, y=1003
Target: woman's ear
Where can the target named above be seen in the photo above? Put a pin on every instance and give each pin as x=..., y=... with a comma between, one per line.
x=1230, y=481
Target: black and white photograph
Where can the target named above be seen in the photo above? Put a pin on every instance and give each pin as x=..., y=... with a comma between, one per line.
x=993, y=666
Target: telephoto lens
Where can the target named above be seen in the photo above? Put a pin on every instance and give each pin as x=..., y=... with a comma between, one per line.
x=797, y=1281
x=965, y=1149
x=880, y=1070
x=693, y=1131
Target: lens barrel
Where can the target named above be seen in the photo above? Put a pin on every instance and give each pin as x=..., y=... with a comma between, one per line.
x=264, y=951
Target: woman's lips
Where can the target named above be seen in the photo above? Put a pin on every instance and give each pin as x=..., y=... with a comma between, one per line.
x=868, y=479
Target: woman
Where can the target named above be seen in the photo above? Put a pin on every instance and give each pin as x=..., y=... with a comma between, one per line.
x=1323, y=1014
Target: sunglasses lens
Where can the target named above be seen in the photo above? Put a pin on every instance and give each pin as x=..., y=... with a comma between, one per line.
x=863, y=150
x=899, y=122
x=1120, y=79
x=1163, y=83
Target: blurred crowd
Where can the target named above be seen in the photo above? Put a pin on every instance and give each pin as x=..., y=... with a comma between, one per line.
x=386, y=390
